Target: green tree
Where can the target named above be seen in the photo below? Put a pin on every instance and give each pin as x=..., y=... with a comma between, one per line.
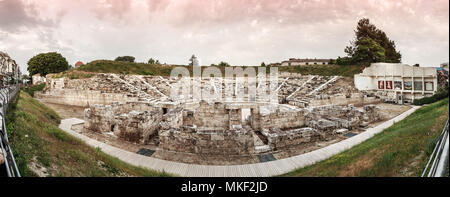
x=46, y=63
x=151, y=61
x=368, y=51
x=125, y=59
x=223, y=64
x=343, y=61
x=263, y=64
x=364, y=30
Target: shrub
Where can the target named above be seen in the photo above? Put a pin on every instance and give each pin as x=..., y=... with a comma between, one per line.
x=31, y=89
x=343, y=61
x=125, y=59
x=427, y=100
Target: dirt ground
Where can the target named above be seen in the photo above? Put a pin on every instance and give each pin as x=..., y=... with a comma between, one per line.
x=66, y=111
x=388, y=111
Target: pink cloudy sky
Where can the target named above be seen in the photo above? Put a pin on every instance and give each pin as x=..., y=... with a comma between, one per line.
x=241, y=32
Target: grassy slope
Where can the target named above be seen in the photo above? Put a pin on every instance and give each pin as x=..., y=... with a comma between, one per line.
x=117, y=67
x=324, y=70
x=106, y=66
x=31, y=89
x=401, y=150
x=36, y=139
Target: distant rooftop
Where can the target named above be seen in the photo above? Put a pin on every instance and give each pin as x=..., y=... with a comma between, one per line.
x=307, y=60
x=79, y=63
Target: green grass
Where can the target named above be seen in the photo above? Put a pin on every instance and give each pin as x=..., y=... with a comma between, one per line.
x=401, y=150
x=323, y=70
x=31, y=89
x=74, y=74
x=36, y=139
x=119, y=67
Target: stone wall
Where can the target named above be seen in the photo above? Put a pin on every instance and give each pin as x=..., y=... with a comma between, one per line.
x=134, y=122
x=173, y=119
x=278, y=139
x=277, y=116
x=99, y=118
x=207, y=115
x=227, y=142
x=354, y=98
x=82, y=98
x=137, y=126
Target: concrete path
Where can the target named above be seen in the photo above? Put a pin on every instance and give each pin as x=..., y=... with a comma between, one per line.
x=266, y=169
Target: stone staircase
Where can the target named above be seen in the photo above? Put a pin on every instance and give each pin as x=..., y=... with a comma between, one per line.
x=309, y=89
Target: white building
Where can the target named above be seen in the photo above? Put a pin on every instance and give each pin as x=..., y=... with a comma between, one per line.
x=9, y=70
x=305, y=62
x=38, y=79
x=398, y=83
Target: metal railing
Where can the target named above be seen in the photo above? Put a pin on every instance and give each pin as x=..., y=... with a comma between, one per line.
x=6, y=95
x=439, y=157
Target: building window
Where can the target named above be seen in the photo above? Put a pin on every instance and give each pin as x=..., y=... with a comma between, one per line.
x=408, y=85
x=429, y=86
x=397, y=85
x=381, y=85
x=418, y=85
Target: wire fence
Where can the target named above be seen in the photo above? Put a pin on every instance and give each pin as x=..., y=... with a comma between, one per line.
x=10, y=166
x=437, y=165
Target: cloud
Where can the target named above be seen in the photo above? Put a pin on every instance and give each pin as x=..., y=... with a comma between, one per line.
x=157, y=5
x=111, y=9
x=241, y=32
x=15, y=15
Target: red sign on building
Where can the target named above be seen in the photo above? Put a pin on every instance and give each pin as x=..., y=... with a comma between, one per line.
x=381, y=85
x=389, y=85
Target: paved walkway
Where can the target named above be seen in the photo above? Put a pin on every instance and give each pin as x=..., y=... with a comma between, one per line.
x=266, y=169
